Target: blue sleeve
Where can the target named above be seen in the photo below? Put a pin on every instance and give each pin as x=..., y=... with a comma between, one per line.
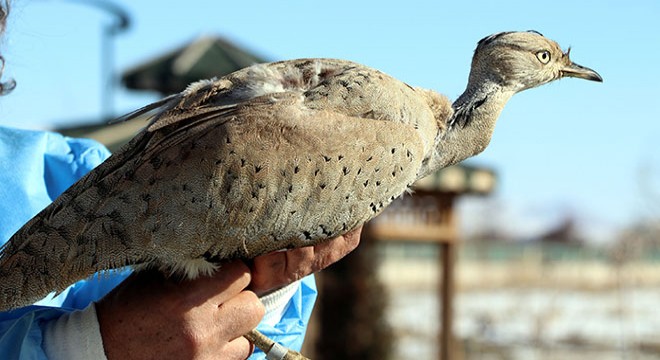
x=290, y=331
x=35, y=167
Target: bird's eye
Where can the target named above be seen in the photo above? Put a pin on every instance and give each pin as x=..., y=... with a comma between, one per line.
x=543, y=56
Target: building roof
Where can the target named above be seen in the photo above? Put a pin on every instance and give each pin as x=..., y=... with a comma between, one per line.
x=459, y=179
x=203, y=58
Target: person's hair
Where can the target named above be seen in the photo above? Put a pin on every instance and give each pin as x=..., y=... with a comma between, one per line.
x=8, y=85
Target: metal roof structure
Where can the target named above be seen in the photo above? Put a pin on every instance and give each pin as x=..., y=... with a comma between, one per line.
x=203, y=58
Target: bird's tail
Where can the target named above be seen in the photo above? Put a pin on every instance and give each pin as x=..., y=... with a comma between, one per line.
x=37, y=261
x=70, y=239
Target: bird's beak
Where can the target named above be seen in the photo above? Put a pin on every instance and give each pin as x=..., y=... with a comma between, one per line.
x=579, y=71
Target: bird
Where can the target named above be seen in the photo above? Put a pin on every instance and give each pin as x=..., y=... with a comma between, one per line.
x=274, y=156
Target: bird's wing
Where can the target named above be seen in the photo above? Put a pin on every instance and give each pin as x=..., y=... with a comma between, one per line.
x=273, y=173
x=269, y=174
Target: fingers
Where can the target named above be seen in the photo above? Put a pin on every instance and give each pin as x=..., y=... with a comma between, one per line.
x=327, y=253
x=238, y=349
x=232, y=320
x=274, y=270
x=227, y=282
x=150, y=314
x=239, y=315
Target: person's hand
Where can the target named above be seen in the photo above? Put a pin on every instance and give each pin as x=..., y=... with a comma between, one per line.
x=280, y=268
x=149, y=316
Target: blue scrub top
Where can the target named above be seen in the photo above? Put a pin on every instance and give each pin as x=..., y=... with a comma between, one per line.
x=35, y=168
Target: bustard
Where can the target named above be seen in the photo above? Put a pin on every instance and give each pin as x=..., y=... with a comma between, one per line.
x=273, y=156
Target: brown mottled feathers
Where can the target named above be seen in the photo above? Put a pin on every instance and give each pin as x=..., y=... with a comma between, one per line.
x=271, y=157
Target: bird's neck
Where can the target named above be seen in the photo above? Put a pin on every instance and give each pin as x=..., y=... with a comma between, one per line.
x=470, y=128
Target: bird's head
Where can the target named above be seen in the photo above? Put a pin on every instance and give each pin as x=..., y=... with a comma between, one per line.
x=522, y=60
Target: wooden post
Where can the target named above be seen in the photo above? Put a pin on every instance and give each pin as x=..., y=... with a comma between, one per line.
x=447, y=257
x=352, y=325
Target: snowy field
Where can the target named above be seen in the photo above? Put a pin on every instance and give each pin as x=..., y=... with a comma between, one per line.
x=617, y=320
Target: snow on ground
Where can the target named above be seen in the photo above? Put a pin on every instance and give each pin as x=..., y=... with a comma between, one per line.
x=510, y=321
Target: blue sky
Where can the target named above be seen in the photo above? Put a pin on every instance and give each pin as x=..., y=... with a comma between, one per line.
x=569, y=147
